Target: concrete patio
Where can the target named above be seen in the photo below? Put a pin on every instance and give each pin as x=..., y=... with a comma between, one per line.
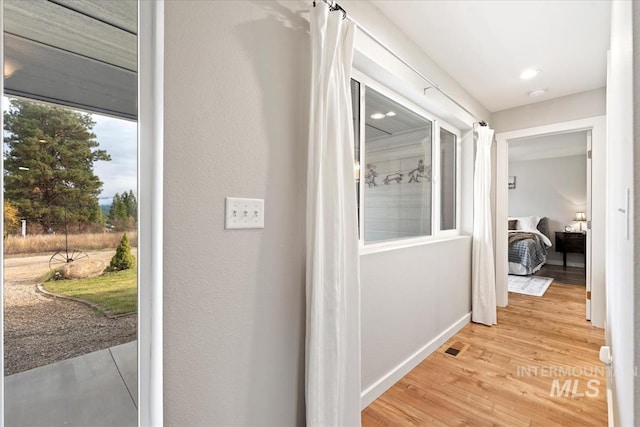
x=97, y=389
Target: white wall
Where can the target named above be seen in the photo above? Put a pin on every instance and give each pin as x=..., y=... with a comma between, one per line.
x=636, y=172
x=413, y=299
x=236, y=91
x=619, y=211
x=236, y=96
x=555, y=188
x=572, y=107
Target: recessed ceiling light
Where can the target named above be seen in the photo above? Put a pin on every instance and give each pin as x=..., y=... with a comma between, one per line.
x=390, y=114
x=537, y=92
x=377, y=116
x=529, y=73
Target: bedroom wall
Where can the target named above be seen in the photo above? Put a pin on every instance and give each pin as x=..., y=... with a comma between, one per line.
x=555, y=188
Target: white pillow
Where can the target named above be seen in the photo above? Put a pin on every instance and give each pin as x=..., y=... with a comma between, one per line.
x=529, y=223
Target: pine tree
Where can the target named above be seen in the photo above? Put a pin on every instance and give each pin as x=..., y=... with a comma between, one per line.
x=123, y=259
x=49, y=164
x=132, y=206
x=118, y=213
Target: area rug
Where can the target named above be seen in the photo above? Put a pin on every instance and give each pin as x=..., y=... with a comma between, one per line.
x=529, y=285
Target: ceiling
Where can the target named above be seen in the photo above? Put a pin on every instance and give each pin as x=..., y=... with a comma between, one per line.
x=403, y=121
x=485, y=45
x=548, y=146
x=78, y=53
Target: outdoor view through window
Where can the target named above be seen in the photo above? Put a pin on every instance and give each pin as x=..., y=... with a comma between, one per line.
x=70, y=213
x=70, y=201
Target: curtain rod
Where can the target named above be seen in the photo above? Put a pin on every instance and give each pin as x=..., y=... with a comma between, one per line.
x=334, y=6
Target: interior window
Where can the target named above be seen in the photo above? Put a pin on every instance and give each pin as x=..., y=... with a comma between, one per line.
x=397, y=170
x=355, y=103
x=448, y=144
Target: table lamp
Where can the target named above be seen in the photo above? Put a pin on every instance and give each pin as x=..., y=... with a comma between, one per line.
x=580, y=217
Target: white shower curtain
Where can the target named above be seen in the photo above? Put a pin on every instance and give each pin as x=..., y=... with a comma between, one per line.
x=333, y=284
x=483, y=283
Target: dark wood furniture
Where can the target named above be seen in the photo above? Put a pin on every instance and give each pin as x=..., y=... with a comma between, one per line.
x=571, y=242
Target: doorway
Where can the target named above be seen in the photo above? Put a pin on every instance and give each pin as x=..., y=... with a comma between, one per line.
x=548, y=210
x=595, y=261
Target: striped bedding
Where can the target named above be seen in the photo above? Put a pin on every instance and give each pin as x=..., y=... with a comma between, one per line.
x=526, y=253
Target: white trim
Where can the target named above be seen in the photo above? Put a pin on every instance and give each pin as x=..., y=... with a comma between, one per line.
x=598, y=127
x=150, y=199
x=458, y=176
x=589, y=248
x=2, y=217
x=393, y=245
x=393, y=376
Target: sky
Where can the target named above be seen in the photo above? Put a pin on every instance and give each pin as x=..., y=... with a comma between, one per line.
x=119, y=138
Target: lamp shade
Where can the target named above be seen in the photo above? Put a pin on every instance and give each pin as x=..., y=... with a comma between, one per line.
x=580, y=216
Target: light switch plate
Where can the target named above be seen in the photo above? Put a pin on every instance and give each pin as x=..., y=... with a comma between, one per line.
x=244, y=213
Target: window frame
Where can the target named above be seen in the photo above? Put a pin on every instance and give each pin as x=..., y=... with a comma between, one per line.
x=437, y=123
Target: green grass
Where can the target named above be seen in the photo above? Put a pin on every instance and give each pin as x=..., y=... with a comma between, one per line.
x=116, y=293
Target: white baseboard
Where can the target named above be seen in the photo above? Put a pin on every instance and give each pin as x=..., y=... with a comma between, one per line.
x=393, y=376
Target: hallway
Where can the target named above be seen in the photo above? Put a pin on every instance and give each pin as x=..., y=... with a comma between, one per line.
x=538, y=366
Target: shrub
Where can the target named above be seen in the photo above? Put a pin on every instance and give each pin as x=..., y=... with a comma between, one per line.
x=123, y=259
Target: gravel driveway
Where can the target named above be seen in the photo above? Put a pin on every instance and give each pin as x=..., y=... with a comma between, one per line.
x=39, y=330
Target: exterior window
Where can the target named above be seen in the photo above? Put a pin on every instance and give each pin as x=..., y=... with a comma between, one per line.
x=448, y=144
x=397, y=170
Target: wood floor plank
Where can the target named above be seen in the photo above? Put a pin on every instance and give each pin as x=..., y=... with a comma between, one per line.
x=506, y=373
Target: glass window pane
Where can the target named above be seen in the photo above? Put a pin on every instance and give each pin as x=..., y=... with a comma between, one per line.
x=397, y=173
x=447, y=180
x=355, y=108
x=70, y=209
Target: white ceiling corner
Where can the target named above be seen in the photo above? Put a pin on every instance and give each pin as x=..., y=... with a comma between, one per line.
x=485, y=45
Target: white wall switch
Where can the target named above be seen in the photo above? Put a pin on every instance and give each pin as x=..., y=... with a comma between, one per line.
x=244, y=213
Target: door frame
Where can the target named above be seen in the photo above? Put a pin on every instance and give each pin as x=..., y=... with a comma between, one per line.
x=150, y=202
x=597, y=126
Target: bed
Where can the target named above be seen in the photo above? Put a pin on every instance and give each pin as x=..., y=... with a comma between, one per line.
x=528, y=244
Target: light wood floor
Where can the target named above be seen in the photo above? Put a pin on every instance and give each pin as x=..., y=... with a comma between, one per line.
x=486, y=384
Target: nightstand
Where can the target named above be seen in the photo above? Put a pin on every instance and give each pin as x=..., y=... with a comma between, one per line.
x=571, y=242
